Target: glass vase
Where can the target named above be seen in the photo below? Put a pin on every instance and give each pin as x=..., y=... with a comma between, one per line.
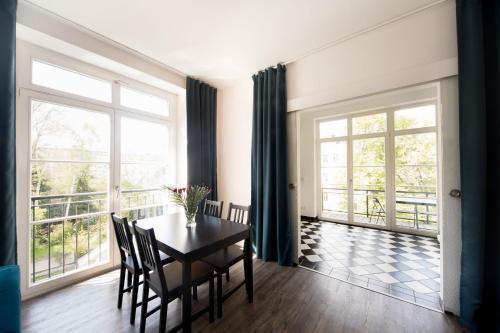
x=191, y=218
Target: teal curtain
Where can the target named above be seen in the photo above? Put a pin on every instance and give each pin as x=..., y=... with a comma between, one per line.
x=478, y=28
x=8, y=253
x=201, y=103
x=272, y=237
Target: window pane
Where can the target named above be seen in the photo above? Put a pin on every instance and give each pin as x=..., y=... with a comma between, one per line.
x=334, y=179
x=334, y=154
x=422, y=116
x=374, y=123
x=332, y=129
x=144, y=168
x=369, y=181
x=141, y=101
x=416, y=181
x=143, y=141
x=67, y=133
x=58, y=78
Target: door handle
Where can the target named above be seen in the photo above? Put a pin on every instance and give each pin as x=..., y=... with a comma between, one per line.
x=456, y=193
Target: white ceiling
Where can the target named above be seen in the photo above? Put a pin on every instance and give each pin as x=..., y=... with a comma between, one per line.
x=224, y=40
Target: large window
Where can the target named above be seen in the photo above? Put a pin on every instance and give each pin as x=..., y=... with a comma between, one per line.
x=380, y=169
x=90, y=153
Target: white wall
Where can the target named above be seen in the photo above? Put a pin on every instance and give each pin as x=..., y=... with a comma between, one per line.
x=234, y=138
x=415, y=49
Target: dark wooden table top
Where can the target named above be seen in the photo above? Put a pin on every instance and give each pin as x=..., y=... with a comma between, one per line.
x=209, y=235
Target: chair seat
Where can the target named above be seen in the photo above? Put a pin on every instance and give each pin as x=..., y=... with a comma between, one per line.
x=129, y=262
x=173, y=273
x=223, y=259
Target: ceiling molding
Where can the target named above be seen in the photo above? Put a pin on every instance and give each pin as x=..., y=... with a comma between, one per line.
x=364, y=31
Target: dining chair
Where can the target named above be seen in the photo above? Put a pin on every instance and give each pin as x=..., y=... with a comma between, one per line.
x=129, y=263
x=222, y=260
x=166, y=280
x=213, y=208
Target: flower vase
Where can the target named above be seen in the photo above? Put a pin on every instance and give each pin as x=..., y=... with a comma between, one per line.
x=191, y=218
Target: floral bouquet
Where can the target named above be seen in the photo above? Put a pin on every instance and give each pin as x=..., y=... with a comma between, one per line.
x=189, y=198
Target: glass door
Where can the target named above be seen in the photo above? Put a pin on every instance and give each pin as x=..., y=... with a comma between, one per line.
x=369, y=169
x=380, y=169
x=415, y=148
x=145, y=168
x=70, y=179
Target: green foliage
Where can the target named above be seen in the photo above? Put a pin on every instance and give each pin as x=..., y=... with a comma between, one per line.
x=189, y=198
x=415, y=167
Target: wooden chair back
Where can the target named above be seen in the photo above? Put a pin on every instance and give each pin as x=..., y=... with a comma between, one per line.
x=239, y=214
x=213, y=208
x=124, y=238
x=149, y=254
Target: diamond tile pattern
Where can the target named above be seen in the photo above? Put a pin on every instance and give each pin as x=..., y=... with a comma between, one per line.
x=400, y=265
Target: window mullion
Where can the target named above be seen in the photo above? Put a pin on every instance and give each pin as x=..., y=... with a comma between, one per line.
x=390, y=178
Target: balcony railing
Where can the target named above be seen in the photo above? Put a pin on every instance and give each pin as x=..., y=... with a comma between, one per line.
x=70, y=231
x=407, y=214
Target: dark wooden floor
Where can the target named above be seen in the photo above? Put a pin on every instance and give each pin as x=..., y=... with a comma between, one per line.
x=286, y=300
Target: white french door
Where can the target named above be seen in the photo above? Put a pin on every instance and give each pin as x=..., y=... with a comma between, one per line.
x=380, y=169
x=86, y=161
x=88, y=142
x=68, y=183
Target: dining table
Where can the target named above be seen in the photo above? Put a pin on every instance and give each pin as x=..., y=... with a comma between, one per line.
x=188, y=244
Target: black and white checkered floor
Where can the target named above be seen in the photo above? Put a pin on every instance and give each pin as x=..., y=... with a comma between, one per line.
x=400, y=265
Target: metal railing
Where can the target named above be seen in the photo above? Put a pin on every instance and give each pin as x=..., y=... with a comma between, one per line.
x=70, y=231
x=371, y=194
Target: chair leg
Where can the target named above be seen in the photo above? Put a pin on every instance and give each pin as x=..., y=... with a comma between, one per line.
x=163, y=316
x=144, y=306
x=195, y=293
x=211, y=298
x=135, y=290
x=227, y=275
x=129, y=280
x=219, y=295
x=120, y=286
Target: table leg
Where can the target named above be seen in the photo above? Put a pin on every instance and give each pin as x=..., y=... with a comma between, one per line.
x=416, y=216
x=248, y=262
x=186, y=296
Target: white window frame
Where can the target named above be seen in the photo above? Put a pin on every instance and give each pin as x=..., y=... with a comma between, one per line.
x=389, y=135
x=28, y=91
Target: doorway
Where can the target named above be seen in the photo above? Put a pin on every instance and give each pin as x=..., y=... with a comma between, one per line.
x=372, y=193
x=379, y=169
